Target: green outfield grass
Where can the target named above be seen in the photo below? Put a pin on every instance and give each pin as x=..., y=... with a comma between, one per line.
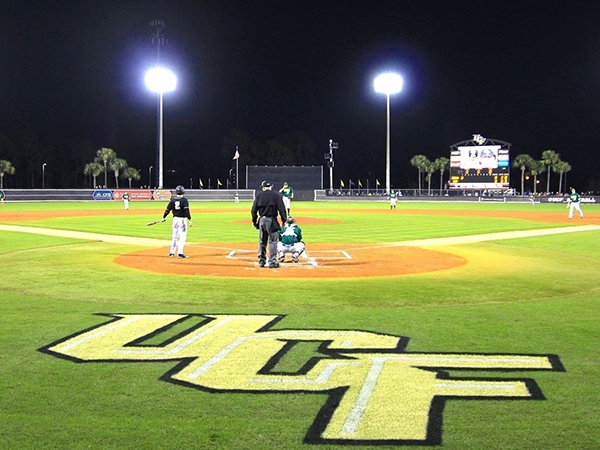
x=527, y=296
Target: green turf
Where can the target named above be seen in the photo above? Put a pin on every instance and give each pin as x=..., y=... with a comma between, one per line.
x=532, y=296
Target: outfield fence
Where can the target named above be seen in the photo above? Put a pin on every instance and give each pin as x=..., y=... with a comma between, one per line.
x=247, y=195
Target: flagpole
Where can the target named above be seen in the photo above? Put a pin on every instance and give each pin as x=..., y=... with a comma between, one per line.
x=236, y=156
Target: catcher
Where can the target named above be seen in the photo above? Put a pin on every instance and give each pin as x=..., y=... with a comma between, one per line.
x=290, y=240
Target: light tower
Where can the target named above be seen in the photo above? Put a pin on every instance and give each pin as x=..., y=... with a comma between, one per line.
x=388, y=83
x=159, y=80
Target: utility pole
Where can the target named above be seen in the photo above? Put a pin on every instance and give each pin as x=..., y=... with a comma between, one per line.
x=329, y=158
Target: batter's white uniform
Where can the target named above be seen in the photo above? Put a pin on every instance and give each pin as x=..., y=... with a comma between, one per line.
x=179, y=235
x=180, y=207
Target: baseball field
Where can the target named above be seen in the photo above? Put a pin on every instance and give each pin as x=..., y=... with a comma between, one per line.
x=445, y=325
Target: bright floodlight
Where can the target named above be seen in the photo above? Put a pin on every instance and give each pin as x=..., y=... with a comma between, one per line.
x=160, y=80
x=388, y=83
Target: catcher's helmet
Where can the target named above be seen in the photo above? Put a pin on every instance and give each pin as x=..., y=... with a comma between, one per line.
x=266, y=184
x=290, y=220
x=180, y=190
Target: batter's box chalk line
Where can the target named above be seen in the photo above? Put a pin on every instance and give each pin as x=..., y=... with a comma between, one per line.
x=312, y=259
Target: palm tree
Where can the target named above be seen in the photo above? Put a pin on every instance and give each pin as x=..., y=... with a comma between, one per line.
x=420, y=162
x=536, y=167
x=94, y=169
x=131, y=173
x=523, y=162
x=562, y=167
x=549, y=158
x=429, y=169
x=116, y=165
x=6, y=167
x=105, y=156
x=441, y=164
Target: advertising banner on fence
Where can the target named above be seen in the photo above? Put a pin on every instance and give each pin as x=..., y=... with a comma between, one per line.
x=134, y=194
x=102, y=194
x=561, y=199
x=162, y=194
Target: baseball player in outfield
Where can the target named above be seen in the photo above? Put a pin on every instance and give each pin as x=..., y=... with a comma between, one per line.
x=393, y=199
x=180, y=207
x=290, y=240
x=573, y=202
x=288, y=194
x=126, y=200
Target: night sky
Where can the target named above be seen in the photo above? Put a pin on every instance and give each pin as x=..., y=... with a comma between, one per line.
x=525, y=72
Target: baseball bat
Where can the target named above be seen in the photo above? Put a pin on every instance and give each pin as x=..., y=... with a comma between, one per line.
x=154, y=222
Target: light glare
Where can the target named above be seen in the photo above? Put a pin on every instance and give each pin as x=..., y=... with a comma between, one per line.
x=388, y=83
x=160, y=80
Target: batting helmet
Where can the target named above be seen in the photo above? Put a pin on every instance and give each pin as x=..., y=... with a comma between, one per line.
x=180, y=190
x=290, y=220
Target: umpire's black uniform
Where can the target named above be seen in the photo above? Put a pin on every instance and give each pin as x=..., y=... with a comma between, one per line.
x=267, y=204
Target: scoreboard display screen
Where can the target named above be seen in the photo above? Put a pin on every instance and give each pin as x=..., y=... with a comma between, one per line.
x=479, y=167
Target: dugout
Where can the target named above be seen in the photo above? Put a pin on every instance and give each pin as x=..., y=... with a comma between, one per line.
x=303, y=179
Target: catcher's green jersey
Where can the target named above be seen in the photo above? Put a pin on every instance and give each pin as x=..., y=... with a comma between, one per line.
x=290, y=234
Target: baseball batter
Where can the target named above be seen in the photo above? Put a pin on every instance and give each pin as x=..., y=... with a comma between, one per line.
x=180, y=207
x=288, y=194
x=573, y=202
x=290, y=240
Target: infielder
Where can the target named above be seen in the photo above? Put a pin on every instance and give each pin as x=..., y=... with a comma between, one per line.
x=290, y=240
x=573, y=202
x=180, y=206
x=288, y=194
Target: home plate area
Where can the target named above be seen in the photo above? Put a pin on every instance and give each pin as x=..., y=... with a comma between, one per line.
x=316, y=258
x=317, y=261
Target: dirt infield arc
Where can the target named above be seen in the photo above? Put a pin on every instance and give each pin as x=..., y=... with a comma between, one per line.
x=320, y=261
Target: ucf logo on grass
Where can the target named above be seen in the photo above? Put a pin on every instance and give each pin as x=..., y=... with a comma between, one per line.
x=378, y=392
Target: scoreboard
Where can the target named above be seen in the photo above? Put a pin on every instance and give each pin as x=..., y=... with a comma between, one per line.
x=479, y=164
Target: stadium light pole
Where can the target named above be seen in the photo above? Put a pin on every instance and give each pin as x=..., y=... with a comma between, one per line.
x=43, y=174
x=388, y=84
x=150, y=177
x=160, y=80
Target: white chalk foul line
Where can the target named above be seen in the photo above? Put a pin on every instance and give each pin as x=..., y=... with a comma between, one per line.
x=88, y=236
x=457, y=240
x=414, y=243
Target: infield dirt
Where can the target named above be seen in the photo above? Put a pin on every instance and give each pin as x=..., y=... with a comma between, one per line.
x=319, y=260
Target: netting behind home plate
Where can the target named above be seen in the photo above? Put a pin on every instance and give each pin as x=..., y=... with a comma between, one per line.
x=299, y=177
